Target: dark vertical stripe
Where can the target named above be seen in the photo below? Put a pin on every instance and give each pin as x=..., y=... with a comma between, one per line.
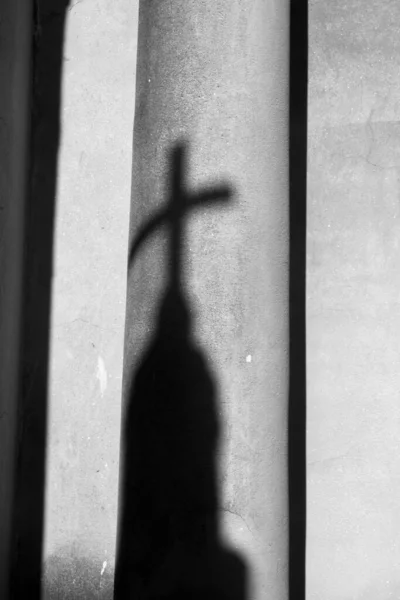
x=28, y=516
x=297, y=297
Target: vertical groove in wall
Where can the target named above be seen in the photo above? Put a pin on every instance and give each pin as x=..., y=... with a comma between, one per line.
x=297, y=297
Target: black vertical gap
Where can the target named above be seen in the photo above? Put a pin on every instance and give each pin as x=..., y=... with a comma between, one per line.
x=297, y=296
x=28, y=509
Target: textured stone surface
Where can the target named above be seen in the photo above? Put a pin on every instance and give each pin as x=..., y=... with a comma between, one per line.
x=89, y=289
x=214, y=74
x=72, y=575
x=353, y=290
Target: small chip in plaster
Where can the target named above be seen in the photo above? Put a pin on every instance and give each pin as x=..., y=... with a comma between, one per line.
x=104, y=567
x=101, y=375
x=248, y=358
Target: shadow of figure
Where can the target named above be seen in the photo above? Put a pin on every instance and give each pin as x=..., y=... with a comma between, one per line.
x=169, y=545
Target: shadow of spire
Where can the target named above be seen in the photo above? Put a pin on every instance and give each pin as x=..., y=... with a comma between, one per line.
x=169, y=545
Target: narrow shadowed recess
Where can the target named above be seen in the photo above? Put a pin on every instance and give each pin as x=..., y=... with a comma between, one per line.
x=297, y=297
x=168, y=540
x=28, y=514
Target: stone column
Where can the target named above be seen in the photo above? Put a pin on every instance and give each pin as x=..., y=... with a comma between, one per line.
x=204, y=452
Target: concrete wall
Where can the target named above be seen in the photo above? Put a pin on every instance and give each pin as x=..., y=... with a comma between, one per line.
x=353, y=315
x=352, y=281
x=89, y=288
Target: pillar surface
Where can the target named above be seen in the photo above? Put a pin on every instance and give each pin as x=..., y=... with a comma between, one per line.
x=203, y=496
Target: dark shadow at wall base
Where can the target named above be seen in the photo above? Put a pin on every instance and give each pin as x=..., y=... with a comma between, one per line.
x=71, y=575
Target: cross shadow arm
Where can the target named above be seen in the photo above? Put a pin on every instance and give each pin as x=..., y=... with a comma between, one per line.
x=216, y=195
x=145, y=232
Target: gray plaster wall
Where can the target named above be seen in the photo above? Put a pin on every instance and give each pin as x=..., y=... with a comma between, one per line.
x=89, y=289
x=353, y=321
x=353, y=286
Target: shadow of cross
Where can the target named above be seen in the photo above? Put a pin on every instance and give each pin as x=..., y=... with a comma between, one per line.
x=178, y=206
x=169, y=545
